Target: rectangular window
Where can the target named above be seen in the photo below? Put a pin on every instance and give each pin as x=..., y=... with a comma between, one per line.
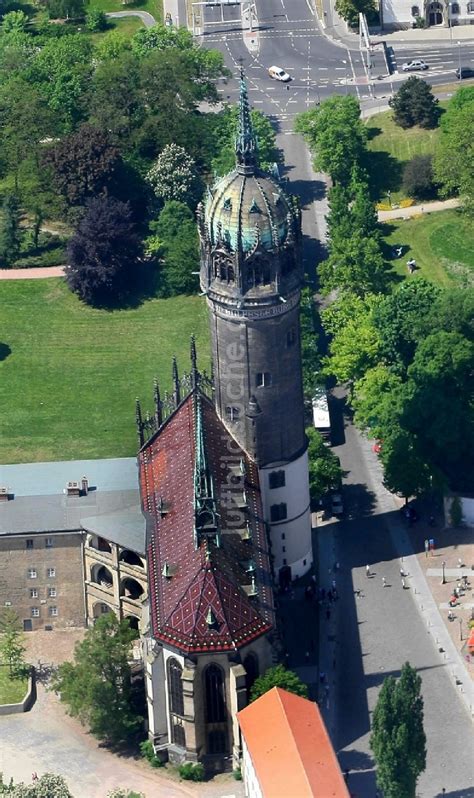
x=283, y=548
x=232, y=413
x=283, y=536
x=278, y=512
x=51, y=572
x=48, y=543
x=53, y=611
x=35, y=612
x=276, y=479
x=52, y=592
x=291, y=337
x=32, y=573
x=33, y=593
x=30, y=543
x=263, y=379
x=284, y=561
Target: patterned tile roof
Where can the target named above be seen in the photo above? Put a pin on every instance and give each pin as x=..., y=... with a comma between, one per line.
x=210, y=590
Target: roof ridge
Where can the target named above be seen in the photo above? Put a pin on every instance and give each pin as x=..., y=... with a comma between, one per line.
x=290, y=726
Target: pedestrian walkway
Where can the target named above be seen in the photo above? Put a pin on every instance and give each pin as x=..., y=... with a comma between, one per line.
x=32, y=274
x=416, y=210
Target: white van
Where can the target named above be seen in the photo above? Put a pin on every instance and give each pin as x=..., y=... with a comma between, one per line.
x=277, y=73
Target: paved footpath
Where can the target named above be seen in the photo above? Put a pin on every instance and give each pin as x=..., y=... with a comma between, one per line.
x=32, y=274
x=47, y=740
x=416, y=210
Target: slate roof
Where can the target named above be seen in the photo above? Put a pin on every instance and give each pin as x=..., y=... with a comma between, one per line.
x=199, y=589
x=111, y=509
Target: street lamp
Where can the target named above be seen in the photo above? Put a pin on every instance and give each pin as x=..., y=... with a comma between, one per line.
x=460, y=629
x=443, y=581
x=450, y=23
x=459, y=53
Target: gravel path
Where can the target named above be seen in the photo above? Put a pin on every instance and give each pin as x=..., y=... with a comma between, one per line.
x=32, y=274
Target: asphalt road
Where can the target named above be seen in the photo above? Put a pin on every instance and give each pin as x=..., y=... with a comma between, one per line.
x=289, y=36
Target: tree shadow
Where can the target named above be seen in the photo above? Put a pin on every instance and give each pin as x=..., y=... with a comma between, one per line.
x=467, y=792
x=385, y=173
x=5, y=351
x=147, y=284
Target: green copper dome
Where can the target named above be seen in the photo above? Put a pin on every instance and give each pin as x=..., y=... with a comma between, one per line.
x=247, y=205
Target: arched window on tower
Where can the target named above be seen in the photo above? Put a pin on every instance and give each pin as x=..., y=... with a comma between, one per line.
x=216, y=713
x=176, y=702
x=224, y=268
x=215, y=694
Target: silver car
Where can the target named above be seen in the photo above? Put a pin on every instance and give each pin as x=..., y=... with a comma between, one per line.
x=414, y=66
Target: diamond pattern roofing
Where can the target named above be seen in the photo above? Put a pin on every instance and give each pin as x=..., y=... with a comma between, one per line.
x=208, y=592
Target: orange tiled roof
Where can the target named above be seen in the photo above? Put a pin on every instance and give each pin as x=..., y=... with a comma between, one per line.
x=290, y=748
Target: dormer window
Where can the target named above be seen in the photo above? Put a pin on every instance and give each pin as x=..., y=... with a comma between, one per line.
x=254, y=207
x=227, y=204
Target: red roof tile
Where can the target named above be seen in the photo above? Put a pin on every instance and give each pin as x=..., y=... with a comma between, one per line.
x=290, y=748
x=205, y=577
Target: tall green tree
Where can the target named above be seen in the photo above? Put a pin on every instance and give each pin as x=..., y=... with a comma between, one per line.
x=400, y=321
x=398, y=739
x=455, y=152
x=14, y=21
x=415, y=104
x=354, y=347
x=355, y=265
x=173, y=176
x=97, y=687
x=10, y=237
x=49, y=785
x=336, y=136
x=12, y=643
x=278, y=676
x=350, y=10
x=176, y=230
x=325, y=472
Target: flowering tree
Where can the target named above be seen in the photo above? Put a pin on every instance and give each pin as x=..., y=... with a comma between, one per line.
x=173, y=176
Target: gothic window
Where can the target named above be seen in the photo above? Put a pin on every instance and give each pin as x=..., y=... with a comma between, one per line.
x=175, y=687
x=215, y=694
x=232, y=413
x=415, y=11
x=263, y=379
x=470, y=8
x=276, y=479
x=455, y=8
x=278, y=512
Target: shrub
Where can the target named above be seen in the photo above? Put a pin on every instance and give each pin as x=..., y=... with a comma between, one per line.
x=96, y=20
x=420, y=22
x=237, y=774
x=414, y=104
x=148, y=752
x=191, y=771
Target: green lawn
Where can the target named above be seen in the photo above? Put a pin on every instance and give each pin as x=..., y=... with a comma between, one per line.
x=12, y=691
x=69, y=374
x=128, y=26
x=154, y=7
x=391, y=147
x=441, y=243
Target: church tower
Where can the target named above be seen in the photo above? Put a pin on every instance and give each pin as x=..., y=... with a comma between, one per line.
x=251, y=273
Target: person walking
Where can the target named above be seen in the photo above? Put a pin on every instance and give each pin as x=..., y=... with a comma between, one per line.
x=384, y=582
x=367, y=570
x=403, y=584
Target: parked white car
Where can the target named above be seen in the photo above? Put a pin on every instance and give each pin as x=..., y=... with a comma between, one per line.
x=414, y=66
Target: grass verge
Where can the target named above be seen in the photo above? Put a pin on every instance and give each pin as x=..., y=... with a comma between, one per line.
x=12, y=691
x=70, y=373
x=391, y=147
x=441, y=243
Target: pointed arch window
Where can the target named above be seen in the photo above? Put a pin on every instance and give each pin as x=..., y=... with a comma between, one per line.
x=175, y=687
x=215, y=694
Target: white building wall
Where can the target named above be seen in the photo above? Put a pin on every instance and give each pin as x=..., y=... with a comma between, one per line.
x=398, y=12
x=249, y=776
x=291, y=538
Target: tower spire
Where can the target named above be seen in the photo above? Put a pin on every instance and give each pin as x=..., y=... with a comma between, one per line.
x=176, y=384
x=245, y=142
x=194, y=369
x=205, y=514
